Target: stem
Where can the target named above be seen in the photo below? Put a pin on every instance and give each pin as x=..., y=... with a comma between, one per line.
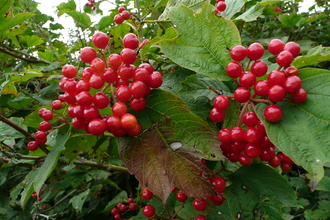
x=59, y=202
x=248, y=65
x=16, y=127
x=213, y=90
x=168, y=212
x=113, y=94
x=262, y=100
x=177, y=211
x=154, y=21
x=240, y=119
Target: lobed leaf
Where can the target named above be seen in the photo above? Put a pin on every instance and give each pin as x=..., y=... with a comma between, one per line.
x=5, y=5
x=10, y=22
x=193, y=4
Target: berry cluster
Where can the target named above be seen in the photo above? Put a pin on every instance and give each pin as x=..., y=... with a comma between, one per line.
x=220, y=7
x=90, y=3
x=34, y=195
x=127, y=83
x=122, y=16
x=121, y=207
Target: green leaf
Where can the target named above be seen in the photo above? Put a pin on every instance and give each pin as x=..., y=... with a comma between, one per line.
x=11, y=22
x=252, y=13
x=316, y=55
x=104, y=22
x=7, y=132
x=290, y=20
x=26, y=75
x=30, y=41
x=258, y=190
x=79, y=200
x=233, y=7
x=121, y=197
x=81, y=19
x=200, y=42
x=171, y=81
x=192, y=4
x=65, y=7
x=324, y=184
x=302, y=133
x=5, y=5
x=175, y=144
x=50, y=162
x=27, y=186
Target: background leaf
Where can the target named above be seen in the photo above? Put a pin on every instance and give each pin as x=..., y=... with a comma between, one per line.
x=11, y=22
x=193, y=4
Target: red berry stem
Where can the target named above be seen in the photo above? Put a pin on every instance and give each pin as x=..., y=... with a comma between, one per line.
x=105, y=87
x=57, y=127
x=168, y=212
x=213, y=90
x=113, y=94
x=248, y=65
x=177, y=211
x=262, y=100
x=240, y=119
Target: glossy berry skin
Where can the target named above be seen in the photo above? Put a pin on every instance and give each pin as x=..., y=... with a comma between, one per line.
x=128, y=55
x=292, y=84
x=224, y=135
x=275, y=46
x=114, y=211
x=82, y=86
x=181, y=196
x=247, y=79
x=234, y=69
x=156, y=80
x=300, y=96
x=255, y=51
x=96, y=126
x=242, y=94
x=32, y=145
x=250, y=119
x=91, y=112
x=132, y=206
x=125, y=14
x=87, y=54
x=135, y=131
x=293, y=48
x=284, y=59
x=110, y=75
x=147, y=194
x=56, y=104
x=47, y=115
x=119, y=109
x=137, y=104
x=220, y=184
x=262, y=87
x=100, y=40
x=276, y=93
x=267, y=154
x=221, y=6
x=97, y=66
x=273, y=113
x=244, y=160
x=276, y=77
x=126, y=72
x=199, y=204
x=121, y=9
x=112, y=123
x=275, y=162
x=261, y=127
x=286, y=167
x=291, y=71
x=115, y=61
x=117, y=216
x=238, y=53
x=252, y=135
x=139, y=89
x=252, y=150
x=128, y=121
x=100, y=100
x=118, y=19
x=142, y=75
x=221, y=102
x=148, y=211
x=123, y=93
x=238, y=146
x=217, y=115
x=147, y=66
x=84, y=98
x=45, y=126
x=237, y=134
x=79, y=123
x=131, y=41
x=259, y=68
x=40, y=135
x=201, y=217
x=69, y=71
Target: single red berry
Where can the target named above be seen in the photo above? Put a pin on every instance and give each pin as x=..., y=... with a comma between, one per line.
x=110, y=75
x=91, y=112
x=69, y=98
x=147, y=194
x=276, y=93
x=114, y=211
x=267, y=154
x=238, y=53
x=40, y=135
x=237, y=134
x=131, y=41
x=97, y=66
x=252, y=150
x=123, y=208
x=135, y=131
x=292, y=84
x=137, y=104
x=144, y=42
x=261, y=127
x=100, y=40
x=242, y=94
x=128, y=121
x=284, y=59
x=96, y=126
x=221, y=6
x=220, y=183
x=100, y=100
x=275, y=162
x=273, y=113
x=285, y=158
x=119, y=109
x=266, y=143
x=300, y=96
x=293, y=48
x=45, y=126
x=217, y=115
x=181, y=196
x=117, y=216
x=234, y=69
x=286, y=167
x=69, y=71
x=224, y=135
x=255, y=51
x=275, y=46
x=128, y=55
x=259, y=68
x=79, y=123
x=112, y=123
x=125, y=14
x=233, y=157
x=201, y=217
x=32, y=145
x=247, y=79
x=121, y=9
x=261, y=88
x=238, y=146
x=115, y=61
x=139, y=89
x=87, y=54
x=148, y=211
x=118, y=19
x=123, y=93
x=291, y=71
x=126, y=72
x=250, y=119
x=199, y=204
x=244, y=159
x=82, y=86
x=142, y=75
x=132, y=206
x=84, y=98
x=148, y=67
x=252, y=135
x=57, y=104
x=70, y=87
x=276, y=77
x=43, y=207
x=156, y=80
x=87, y=74
x=78, y=111
x=39, y=199
x=47, y=115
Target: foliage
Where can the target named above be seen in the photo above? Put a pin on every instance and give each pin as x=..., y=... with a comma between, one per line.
x=80, y=176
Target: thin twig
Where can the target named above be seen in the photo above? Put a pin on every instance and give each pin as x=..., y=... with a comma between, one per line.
x=32, y=59
x=59, y=202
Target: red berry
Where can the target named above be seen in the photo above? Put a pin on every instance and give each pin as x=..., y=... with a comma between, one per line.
x=237, y=134
x=273, y=113
x=261, y=127
x=87, y=54
x=45, y=126
x=119, y=109
x=261, y=88
x=137, y=104
x=155, y=80
x=276, y=93
x=244, y=159
x=123, y=208
x=142, y=75
x=252, y=150
x=70, y=87
x=40, y=135
x=224, y=135
x=125, y=14
x=132, y=206
x=121, y=9
x=100, y=100
x=238, y=146
x=82, y=86
x=293, y=48
x=259, y=68
x=112, y=123
x=130, y=41
x=221, y=6
x=199, y=204
x=78, y=111
x=135, y=131
x=148, y=67
x=126, y=72
x=69, y=71
x=238, y=53
x=128, y=55
x=252, y=135
x=286, y=167
x=247, y=79
x=79, y=123
x=128, y=121
x=242, y=94
x=148, y=211
x=292, y=84
x=139, y=89
x=181, y=196
x=217, y=115
x=255, y=51
x=123, y=93
x=100, y=40
x=68, y=98
x=87, y=74
x=267, y=154
x=98, y=66
x=32, y=145
x=291, y=71
x=284, y=59
x=276, y=77
x=250, y=119
x=300, y=96
x=47, y=115
x=91, y=112
x=96, y=126
x=119, y=132
x=57, y=104
x=287, y=159
x=114, y=211
x=118, y=19
x=115, y=61
x=110, y=75
x=275, y=162
x=147, y=194
x=144, y=42
x=220, y=183
x=234, y=69
x=275, y=46
x=221, y=102
x=201, y=217
x=84, y=98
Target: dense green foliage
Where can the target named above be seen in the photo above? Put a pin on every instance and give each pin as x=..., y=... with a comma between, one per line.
x=80, y=176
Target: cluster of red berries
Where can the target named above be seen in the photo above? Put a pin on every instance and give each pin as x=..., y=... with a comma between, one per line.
x=90, y=3
x=220, y=7
x=34, y=195
x=122, y=16
x=121, y=207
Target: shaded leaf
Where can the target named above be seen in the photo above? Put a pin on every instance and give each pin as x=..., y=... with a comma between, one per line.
x=30, y=41
x=192, y=4
x=105, y=22
x=11, y=22
x=233, y=7
x=79, y=200
x=316, y=55
x=252, y=13
x=5, y=5
x=302, y=133
x=205, y=53
x=7, y=132
x=26, y=75
x=121, y=197
x=290, y=20
x=81, y=19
